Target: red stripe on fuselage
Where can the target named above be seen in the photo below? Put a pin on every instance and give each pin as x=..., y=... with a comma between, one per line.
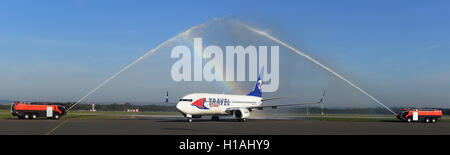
x=200, y=103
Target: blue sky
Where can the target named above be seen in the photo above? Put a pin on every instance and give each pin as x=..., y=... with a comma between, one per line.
x=401, y=46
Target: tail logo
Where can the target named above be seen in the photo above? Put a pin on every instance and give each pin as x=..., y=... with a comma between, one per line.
x=200, y=103
x=260, y=84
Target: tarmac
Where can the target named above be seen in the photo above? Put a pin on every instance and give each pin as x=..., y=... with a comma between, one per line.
x=179, y=126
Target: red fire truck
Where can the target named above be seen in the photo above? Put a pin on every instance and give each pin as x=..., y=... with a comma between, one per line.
x=32, y=111
x=423, y=115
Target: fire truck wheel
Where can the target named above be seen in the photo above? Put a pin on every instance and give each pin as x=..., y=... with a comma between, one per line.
x=409, y=119
x=56, y=116
x=427, y=120
x=34, y=116
x=26, y=116
x=433, y=120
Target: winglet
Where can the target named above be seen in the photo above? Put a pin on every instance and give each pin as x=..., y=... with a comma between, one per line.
x=167, y=97
x=323, y=95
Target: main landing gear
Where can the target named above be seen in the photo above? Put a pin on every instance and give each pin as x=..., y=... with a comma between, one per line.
x=215, y=118
x=242, y=120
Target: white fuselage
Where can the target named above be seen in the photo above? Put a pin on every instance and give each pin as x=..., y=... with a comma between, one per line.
x=199, y=104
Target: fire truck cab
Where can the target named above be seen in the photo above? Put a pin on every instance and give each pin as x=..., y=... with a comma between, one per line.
x=422, y=115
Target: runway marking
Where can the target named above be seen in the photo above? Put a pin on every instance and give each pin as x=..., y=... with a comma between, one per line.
x=59, y=125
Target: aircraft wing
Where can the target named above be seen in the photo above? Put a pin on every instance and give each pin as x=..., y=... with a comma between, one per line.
x=275, y=106
x=230, y=110
x=279, y=105
x=273, y=98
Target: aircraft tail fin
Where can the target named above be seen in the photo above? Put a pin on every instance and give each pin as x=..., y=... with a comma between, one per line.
x=257, y=90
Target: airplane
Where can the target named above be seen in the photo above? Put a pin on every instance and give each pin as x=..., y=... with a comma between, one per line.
x=197, y=105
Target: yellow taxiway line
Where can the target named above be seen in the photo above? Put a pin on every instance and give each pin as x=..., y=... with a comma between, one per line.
x=59, y=125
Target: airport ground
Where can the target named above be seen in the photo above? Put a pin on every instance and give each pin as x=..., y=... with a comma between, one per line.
x=172, y=123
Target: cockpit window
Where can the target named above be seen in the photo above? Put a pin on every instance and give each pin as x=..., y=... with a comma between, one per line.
x=189, y=100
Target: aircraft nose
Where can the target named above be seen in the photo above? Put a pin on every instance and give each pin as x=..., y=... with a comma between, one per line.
x=180, y=107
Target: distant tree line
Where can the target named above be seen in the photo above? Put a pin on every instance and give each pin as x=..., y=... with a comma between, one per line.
x=340, y=110
x=123, y=107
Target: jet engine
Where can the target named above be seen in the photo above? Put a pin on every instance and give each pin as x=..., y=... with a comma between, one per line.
x=242, y=113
